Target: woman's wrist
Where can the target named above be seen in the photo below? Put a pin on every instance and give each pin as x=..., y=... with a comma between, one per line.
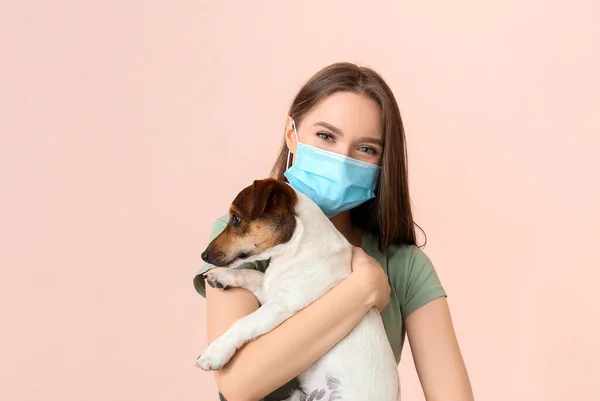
x=366, y=296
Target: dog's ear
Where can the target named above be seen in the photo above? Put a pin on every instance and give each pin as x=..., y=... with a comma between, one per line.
x=271, y=195
x=262, y=190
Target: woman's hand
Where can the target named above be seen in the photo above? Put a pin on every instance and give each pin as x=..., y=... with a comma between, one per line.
x=371, y=277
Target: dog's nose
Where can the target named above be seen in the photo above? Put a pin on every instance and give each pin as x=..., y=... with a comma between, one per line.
x=205, y=256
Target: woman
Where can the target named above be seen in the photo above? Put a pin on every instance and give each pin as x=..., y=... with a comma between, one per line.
x=349, y=111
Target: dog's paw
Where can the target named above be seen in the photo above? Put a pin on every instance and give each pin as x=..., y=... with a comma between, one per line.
x=215, y=356
x=222, y=278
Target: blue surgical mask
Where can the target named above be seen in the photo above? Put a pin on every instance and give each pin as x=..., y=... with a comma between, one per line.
x=334, y=182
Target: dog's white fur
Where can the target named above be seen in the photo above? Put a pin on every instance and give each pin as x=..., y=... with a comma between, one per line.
x=362, y=366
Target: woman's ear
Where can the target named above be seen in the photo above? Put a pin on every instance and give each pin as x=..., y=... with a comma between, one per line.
x=290, y=136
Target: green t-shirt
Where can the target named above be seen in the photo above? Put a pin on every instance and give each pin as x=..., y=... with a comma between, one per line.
x=412, y=278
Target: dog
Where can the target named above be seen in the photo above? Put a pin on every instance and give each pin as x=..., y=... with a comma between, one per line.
x=308, y=257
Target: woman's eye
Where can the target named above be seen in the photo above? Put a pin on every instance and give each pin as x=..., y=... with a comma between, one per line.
x=325, y=136
x=235, y=220
x=367, y=149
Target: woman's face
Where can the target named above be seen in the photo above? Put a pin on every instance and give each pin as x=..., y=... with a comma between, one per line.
x=345, y=123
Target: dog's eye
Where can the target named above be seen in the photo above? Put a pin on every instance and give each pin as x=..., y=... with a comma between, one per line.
x=235, y=220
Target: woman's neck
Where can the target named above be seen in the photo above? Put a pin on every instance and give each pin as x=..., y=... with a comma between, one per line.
x=344, y=225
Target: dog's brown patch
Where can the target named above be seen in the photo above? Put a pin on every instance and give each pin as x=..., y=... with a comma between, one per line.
x=260, y=217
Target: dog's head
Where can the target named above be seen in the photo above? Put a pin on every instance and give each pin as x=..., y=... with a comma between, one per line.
x=261, y=217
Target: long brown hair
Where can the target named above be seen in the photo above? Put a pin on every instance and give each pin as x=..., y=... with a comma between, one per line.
x=388, y=215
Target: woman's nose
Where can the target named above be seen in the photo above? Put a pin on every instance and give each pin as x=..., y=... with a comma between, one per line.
x=345, y=151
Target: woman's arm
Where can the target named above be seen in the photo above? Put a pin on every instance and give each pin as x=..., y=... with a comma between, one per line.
x=270, y=361
x=436, y=353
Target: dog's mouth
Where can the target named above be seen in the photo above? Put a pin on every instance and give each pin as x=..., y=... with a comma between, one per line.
x=222, y=262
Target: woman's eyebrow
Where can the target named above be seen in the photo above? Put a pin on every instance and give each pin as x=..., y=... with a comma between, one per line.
x=333, y=128
x=375, y=141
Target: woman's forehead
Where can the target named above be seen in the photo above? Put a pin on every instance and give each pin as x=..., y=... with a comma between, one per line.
x=353, y=114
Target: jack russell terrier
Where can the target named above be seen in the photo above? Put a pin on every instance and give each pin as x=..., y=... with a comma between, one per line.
x=308, y=257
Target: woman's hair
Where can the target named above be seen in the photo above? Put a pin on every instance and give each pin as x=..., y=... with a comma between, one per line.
x=388, y=215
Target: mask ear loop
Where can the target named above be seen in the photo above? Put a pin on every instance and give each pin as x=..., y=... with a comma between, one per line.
x=287, y=163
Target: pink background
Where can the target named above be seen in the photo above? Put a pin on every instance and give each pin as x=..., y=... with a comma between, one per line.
x=126, y=127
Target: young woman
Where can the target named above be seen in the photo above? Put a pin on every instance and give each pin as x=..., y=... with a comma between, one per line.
x=347, y=116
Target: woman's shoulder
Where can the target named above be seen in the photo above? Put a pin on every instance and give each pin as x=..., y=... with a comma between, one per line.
x=412, y=275
x=402, y=257
x=220, y=223
x=406, y=254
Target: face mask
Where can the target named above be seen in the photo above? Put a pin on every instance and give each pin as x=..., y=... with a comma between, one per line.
x=334, y=182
